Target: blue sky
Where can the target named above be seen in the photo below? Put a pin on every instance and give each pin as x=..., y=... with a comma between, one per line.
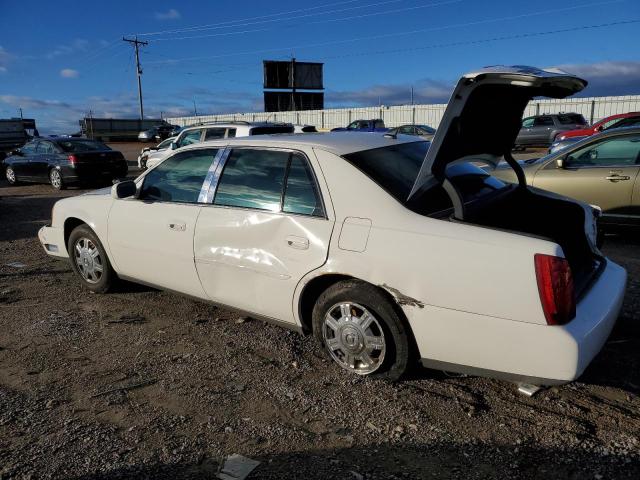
x=57, y=63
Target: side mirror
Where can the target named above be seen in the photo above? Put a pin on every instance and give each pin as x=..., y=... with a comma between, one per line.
x=174, y=145
x=600, y=128
x=124, y=189
x=560, y=162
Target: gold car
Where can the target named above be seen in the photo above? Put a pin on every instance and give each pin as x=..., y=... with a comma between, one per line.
x=601, y=170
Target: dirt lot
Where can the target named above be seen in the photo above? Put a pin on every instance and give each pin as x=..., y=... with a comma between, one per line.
x=147, y=384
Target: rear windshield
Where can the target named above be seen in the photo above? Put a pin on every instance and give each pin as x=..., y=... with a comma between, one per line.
x=270, y=130
x=77, y=146
x=394, y=168
x=571, y=118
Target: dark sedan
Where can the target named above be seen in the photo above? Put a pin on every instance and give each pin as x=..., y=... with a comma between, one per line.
x=64, y=161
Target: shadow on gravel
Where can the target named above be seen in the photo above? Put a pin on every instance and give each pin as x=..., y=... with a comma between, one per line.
x=382, y=461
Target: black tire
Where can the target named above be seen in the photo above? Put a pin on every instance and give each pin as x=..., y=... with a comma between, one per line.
x=83, y=236
x=10, y=176
x=397, y=335
x=56, y=180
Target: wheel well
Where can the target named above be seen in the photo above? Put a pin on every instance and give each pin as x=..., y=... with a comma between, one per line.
x=316, y=286
x=69, y=225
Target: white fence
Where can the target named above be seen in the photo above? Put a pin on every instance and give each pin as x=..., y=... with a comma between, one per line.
x=593, y=109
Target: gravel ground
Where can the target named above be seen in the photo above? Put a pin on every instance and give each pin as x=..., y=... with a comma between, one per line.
x=147, y=384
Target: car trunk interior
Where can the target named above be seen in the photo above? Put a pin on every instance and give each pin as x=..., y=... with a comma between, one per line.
x=524, y=211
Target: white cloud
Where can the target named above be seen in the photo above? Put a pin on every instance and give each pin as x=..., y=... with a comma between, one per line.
x=607, y=78
x=171, y=14
x=69, y=73
x=78, y=45
x=4, y=60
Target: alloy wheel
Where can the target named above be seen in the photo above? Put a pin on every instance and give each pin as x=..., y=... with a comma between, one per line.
x=88, y=260
x=354, y=338
x=11, y=175
x=56, y=178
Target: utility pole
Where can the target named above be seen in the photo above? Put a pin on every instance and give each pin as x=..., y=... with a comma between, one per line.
x=195, y=109
x=20, y=108
x=292, y=81
x=136, y=44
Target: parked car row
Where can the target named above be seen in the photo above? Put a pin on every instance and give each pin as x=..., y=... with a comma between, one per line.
x=433, y=258
x=159, y=132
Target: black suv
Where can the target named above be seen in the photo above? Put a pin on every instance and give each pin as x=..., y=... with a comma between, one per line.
x=541, y=130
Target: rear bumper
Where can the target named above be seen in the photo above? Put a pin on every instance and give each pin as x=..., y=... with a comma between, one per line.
x=519, y=351
x=52, y=240
x=89, y=172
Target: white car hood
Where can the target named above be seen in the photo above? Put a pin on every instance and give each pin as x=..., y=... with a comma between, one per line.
x=484, y=115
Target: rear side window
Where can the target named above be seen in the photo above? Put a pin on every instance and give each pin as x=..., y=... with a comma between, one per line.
x=231, y=133
x=378, y=124
x=543, y=121
x=301, y=195
x=571, y=118
x=253, y=179
x=214, y=133
x=179, y=178
x=29, y=147
x=271, y=130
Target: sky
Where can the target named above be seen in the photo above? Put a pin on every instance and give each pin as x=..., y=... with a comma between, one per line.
x=57, y=63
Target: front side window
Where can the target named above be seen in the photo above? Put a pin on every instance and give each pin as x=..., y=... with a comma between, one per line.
x=301, y=195
x=231, y=132
x=179, y=178
x=190, y=138
x=528, y=122
x=352, y=125
x=624, y=151
x=29, y=148
x=214, y=133
x=406, y=130
x=253, y=179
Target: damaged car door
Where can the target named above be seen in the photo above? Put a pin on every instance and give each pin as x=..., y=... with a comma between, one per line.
x=265, y=229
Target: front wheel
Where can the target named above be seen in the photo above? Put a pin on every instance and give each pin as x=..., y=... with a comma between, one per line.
x=55, y=178
x=10, y=175
x=361, y=330
x=89, y=260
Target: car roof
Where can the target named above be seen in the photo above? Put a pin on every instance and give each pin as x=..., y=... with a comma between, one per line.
x=339, y=143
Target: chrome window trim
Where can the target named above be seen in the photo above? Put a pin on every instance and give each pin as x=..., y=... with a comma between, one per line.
x=203, y=197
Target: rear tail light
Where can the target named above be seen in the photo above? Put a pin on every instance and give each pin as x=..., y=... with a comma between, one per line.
x=555, y=285
x=72, y=159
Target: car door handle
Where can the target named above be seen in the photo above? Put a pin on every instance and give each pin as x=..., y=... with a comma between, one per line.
x=300, y=243
x=177, y=226
x=617, y=178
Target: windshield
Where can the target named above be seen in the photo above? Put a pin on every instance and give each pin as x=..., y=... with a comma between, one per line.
x=77, y=146
x=394, y=168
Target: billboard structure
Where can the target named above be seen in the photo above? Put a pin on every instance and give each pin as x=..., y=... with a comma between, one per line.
x=286, y=78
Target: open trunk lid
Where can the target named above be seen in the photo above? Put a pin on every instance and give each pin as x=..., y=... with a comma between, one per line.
x=484, y=115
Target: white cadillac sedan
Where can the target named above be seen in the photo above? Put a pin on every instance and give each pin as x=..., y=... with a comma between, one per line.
x=388, y=249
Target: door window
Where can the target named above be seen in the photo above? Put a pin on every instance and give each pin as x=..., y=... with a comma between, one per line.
x=353, y=125
x=231, y=133
x=46, y=148
x=190, y=138
x=29, y=148
x=253, y=179
x=406, y=130
x=622, y=151
x=301, y=194
x=179, y=178
x=214, y=133
x=528, y=122
x=543, y=122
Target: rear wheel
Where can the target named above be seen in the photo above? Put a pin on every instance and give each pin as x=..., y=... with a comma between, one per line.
x=56, y=180
x=89, y=260
x=10, y=175
x=361, y=330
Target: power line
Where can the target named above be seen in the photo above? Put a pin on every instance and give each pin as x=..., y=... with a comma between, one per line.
x=415, y=7
x=392, y=35
x=217, y=26
x=136, y=44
